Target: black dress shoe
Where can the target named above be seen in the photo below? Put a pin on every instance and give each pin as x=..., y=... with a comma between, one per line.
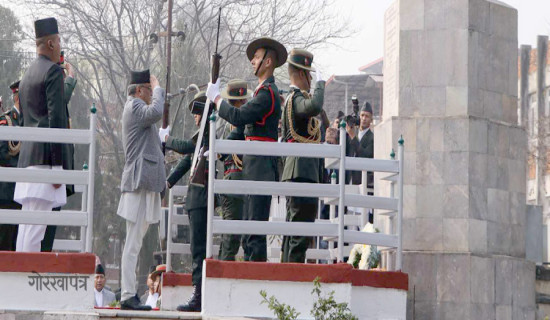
x=194, y=304
x=133, y=304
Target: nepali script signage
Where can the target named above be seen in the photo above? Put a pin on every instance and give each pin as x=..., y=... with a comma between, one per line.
x=58, y=282
x=46, y=291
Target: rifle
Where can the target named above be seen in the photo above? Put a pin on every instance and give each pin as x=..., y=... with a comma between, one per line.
x=198, y=176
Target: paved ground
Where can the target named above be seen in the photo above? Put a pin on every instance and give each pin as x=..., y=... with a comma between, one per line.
x=108, y=315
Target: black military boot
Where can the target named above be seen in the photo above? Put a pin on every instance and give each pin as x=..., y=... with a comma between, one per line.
x=194, y=304
x=133, y=304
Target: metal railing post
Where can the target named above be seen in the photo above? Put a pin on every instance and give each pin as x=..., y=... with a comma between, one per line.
x=169, y=232
x=332, y=214
x=363, y=191
x=342, y=184
x=91, y=171
x=83, y=208
x=211, y=178
x=389, y=258
x=399, y=258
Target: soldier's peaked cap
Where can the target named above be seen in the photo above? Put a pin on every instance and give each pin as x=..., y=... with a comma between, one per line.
x=140, y=77
x=45, y=27
x=267, y=43
x=15, y=86
x=301, y=58
x=236, y=89
x=200, y=97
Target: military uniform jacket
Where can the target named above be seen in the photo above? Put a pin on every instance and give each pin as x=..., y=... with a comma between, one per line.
x=196, y=195
x=41, y=97
x=296, y=168
x=9, y=154
x=70, y=84
x=232, y=170
x=260, y=118
x=363, y=149
x=144, y=161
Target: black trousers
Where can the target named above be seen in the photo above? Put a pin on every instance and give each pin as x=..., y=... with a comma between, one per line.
x=255, y=246
x=197, y=227
x=8, y=232
x=298, y=209
x=47, y=243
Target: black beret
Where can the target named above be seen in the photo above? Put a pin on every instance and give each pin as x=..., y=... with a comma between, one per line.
x=99, y=269
x=140, y=77
x=45, y=27
x=15, y=86
x=340, y=114
x=367, y=107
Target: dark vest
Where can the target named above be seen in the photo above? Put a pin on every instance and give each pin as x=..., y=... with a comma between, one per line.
x=43, y=81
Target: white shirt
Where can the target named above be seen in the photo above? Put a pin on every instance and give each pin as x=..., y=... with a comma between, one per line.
x=362, y=133
x=98, y=298
x=152, y=300
x=25, y=191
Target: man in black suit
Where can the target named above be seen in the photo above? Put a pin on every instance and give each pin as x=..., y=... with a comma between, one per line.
x=363, y=142
x=41, y=95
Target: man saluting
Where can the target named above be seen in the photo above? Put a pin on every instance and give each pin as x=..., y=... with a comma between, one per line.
x=260, y=116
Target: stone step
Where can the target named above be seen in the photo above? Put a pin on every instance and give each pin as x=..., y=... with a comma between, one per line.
x=107, y=314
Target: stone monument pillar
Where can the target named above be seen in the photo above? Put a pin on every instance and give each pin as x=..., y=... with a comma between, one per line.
x=450, y=88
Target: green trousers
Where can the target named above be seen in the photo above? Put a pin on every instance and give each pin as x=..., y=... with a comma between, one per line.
x=232, y=209
x=197, y=227
x=298, y=209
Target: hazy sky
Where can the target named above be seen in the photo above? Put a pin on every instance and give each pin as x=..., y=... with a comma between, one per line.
x=368, y=44
x=367, y=17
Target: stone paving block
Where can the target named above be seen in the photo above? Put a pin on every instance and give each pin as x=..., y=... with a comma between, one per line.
x=409, y=233
x=422, y=275
x=518, y=241
x=457, y=14
x=478, y=169
x=434, y=15
x=425, y=310
x=478, y=236
x=457, y=54
x=456, y=168
x=414, y=19
x=455, y=234
x=498, y=205
x=428, y=234
x=503, y=312
x=499, y=238
x=433, y=101
x=492, y=103
x=518, y=143
x=523, y=284
x=510, y=108
x=429, y=202
x=409, y=201
x=478, y=136
x=423, y=135
x=435, y=46
x=503, y=21
x=456, y=134
x=409, y=168
x=482, y=311
x=453, y=274
x=478, y=13
x=430, y=168
x=455, y=201
x=452, y=311
x=497, y=173
x=478, y=202
x=437, y=130
x=517, y=175
x=407, y=101
x=504, y=278
x=456, y=101
x=482, y=281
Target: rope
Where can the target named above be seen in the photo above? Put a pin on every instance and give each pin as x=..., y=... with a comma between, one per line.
x=313, y=126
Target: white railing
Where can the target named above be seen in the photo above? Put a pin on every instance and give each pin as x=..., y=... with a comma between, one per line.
x=82, y=179
x=333, y=194
x=336, y=193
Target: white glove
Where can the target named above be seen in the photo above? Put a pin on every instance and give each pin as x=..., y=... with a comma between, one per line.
x=318, y=76
x=163, y=133
x=213, y=91
x=206, y=153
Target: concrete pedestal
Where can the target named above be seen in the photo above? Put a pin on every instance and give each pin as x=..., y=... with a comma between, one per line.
x=450, y=88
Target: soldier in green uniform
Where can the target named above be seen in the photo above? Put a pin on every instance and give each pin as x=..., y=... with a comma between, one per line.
x=301, y=125
x=236, y=93
x=260, y=116
x=196, y=200
x=9, y=155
